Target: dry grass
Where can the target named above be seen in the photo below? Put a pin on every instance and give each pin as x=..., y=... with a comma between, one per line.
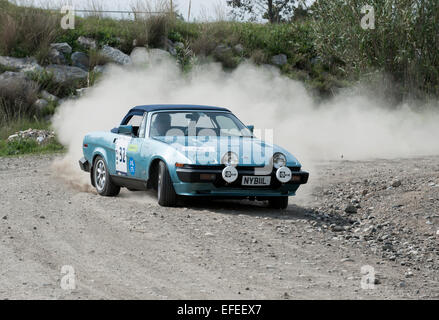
x=16, y=99
x=96, y=58
x=27, y=32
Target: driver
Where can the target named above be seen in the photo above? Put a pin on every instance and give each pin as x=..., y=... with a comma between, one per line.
x=162, y=124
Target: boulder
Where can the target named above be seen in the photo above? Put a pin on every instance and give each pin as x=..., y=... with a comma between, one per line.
x=279, y=60
x=99, y=69
x=49, y=97
x=20, y=64
x=56, y=57
x=66, y=74
x=222, y=50
x=80, y=60
x=40, y=104
x=62, y=47
x=169, y=46
x=87, y=42
x=115, y=55
x=11, y=80
x=239, y=49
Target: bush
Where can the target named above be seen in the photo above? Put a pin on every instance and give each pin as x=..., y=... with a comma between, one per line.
x=16, y=99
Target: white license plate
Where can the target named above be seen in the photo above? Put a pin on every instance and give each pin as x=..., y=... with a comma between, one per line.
x=256, y=180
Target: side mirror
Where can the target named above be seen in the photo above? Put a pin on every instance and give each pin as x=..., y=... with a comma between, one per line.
x=251, y=128
x=125, y=130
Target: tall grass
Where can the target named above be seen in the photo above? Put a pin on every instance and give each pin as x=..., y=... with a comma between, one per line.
x=26, y=31
x=404, y=44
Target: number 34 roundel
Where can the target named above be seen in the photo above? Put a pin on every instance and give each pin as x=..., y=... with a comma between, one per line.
x=121, y=155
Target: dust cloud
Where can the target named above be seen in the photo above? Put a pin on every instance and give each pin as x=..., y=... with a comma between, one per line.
x=354, y=125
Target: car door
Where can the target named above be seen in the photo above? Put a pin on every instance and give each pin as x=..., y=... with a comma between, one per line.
x=135, y=160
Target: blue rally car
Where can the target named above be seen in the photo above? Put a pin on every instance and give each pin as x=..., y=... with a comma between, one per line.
x=188, y=150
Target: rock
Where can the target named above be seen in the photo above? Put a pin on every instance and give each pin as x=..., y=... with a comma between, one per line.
x=350, y=209
x=80, y=60
x=81, y=92
x=221, y=50
x=179, y=45
x=396, y=183
x=56, y=57
x=49, y=97
x=279, y=60
x=62, y=47
x=10, y=82
x=66, y=74
x=115, y=55
x=169, y=46
x=20, y=64
x=5, y=218
x=337, y=229
x=99, y=69
x=239, y=49
x=142, y=56
x=40, y=136
x=172, y=51
x=87, y=42
x=40, y=104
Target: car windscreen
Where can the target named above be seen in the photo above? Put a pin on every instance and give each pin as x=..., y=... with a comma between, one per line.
x=196, y=123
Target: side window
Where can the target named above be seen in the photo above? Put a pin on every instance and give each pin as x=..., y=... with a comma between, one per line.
x=135, y=121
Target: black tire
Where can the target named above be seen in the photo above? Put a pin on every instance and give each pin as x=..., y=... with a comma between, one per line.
x=102, y=180
x=165, y=190
x=278, y=202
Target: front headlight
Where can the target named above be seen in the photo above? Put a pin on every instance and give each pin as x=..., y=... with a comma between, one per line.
x=279, y=160
x=230, y=159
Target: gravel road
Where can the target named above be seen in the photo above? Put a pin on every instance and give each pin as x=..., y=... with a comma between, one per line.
x=383, y=214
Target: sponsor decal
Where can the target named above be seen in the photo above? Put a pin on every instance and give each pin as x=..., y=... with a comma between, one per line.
x=132, y=166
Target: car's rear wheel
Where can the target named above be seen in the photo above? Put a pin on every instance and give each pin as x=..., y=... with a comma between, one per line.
x=102, y=181
x=278, y=202
x=165, y=190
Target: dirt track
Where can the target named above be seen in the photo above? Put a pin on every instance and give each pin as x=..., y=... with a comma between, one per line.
x=130, y=248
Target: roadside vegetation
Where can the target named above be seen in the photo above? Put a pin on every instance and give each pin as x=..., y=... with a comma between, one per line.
x=323, y=45
x=26, y=145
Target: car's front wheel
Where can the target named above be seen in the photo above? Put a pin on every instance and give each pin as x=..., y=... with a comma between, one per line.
x=101, y=178
x=165, y=190
x=278, y=202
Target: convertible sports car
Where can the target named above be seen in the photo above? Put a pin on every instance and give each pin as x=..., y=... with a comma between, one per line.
x=189, y=150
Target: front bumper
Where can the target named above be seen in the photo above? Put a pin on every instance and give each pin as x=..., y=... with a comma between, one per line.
x=192, y=183
x=84, y=164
